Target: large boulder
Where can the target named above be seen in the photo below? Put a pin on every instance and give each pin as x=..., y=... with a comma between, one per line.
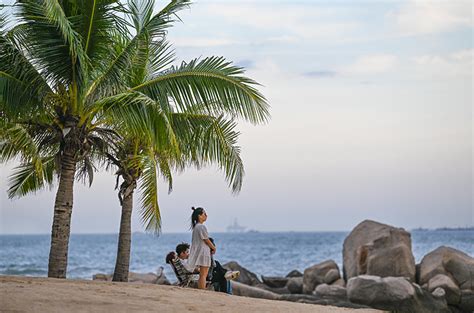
x=450, y=262
x=246, y=276
x=374, y=248
x=394, y=294
x=316, y=275
x=240, y=289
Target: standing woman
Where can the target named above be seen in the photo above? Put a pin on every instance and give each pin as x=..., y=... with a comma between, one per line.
x=201, y=246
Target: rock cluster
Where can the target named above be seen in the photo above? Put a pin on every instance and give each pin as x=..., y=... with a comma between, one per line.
x=379, y=271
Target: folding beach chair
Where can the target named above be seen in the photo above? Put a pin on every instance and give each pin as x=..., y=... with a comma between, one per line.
x=185, y=277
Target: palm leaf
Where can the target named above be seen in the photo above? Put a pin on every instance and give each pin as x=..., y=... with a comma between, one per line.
x=27, y=179
x=213, y=82
x=49, y=38
x=111, y=80
x=150, y=211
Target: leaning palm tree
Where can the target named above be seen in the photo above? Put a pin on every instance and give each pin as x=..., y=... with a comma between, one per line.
x=67, y=70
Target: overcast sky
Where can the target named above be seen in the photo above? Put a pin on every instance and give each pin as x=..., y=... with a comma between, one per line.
x=371, y=105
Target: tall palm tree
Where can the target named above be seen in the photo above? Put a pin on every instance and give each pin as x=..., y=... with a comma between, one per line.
x=69, y=68
x=189, y=123
x=50, y=55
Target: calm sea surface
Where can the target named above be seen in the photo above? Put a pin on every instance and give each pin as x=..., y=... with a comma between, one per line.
x=263, y=253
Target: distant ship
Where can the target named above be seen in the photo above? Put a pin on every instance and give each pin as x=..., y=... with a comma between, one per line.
x=235, y=228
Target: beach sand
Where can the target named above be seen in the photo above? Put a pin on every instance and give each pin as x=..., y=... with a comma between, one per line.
x=31, y=294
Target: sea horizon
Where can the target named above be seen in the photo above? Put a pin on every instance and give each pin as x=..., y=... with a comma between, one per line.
x=264, y=253
x=442, y=228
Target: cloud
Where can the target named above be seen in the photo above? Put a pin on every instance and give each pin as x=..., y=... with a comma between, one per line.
x=371, y=64
x=458, y=63
x=291, y=23
x=320, y=74
x=202, y=42
x=424, y=17
x=247, y=64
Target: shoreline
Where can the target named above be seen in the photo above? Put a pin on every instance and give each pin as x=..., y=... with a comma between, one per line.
x=66, y=295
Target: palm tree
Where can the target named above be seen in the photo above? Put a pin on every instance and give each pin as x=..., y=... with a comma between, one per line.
x=185, y=125
x=197, y=140
x=68, y=69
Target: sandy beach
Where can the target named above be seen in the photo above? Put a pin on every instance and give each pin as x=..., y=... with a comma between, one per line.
x=31, y=294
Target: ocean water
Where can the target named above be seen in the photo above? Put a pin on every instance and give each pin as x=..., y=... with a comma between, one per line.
x=273, y=254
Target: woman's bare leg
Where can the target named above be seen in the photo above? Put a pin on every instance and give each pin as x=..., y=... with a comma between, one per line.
x=203, y=270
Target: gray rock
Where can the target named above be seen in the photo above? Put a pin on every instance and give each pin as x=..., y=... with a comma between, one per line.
x=393, y=294
x=377, y=249
x=162, y=279
x=139, y=278
x=295, y=284
x=332, y=276
x=450, y=262
x=315, y=275
x=274, y=282
x=339, y=282
x=101, y=277
x=246, y=276
x=281, y=290
x=298, y=297
x=333, y=292
x=333, y=302
x=467, y=301
x=294, y=273
x=439, y=293
x=453, y=293
x=240, y=289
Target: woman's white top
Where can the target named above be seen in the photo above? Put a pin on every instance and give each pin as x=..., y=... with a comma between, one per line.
x=200, y=254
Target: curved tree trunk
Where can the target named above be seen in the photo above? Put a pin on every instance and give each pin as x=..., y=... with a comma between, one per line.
x=62, y=217
x=125, y=238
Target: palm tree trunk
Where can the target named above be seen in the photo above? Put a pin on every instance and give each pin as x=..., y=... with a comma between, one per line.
x=125, y=238
x=62, y=217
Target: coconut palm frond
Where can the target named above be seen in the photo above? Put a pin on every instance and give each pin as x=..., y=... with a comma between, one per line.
x=15, y=140
x=213, y=82
x=31, y=177
x=51, y=42
x=150, y=210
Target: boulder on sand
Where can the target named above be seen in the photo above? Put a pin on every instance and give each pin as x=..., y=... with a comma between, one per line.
x=295, y=285
x=374, y=248
x=450, y=262
x=394, y=294
x=332, y=292
x=274, y=282
x=452, y=291
x=316, y=274
x=140, y=278
x=246, y=276
x=240, y=289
